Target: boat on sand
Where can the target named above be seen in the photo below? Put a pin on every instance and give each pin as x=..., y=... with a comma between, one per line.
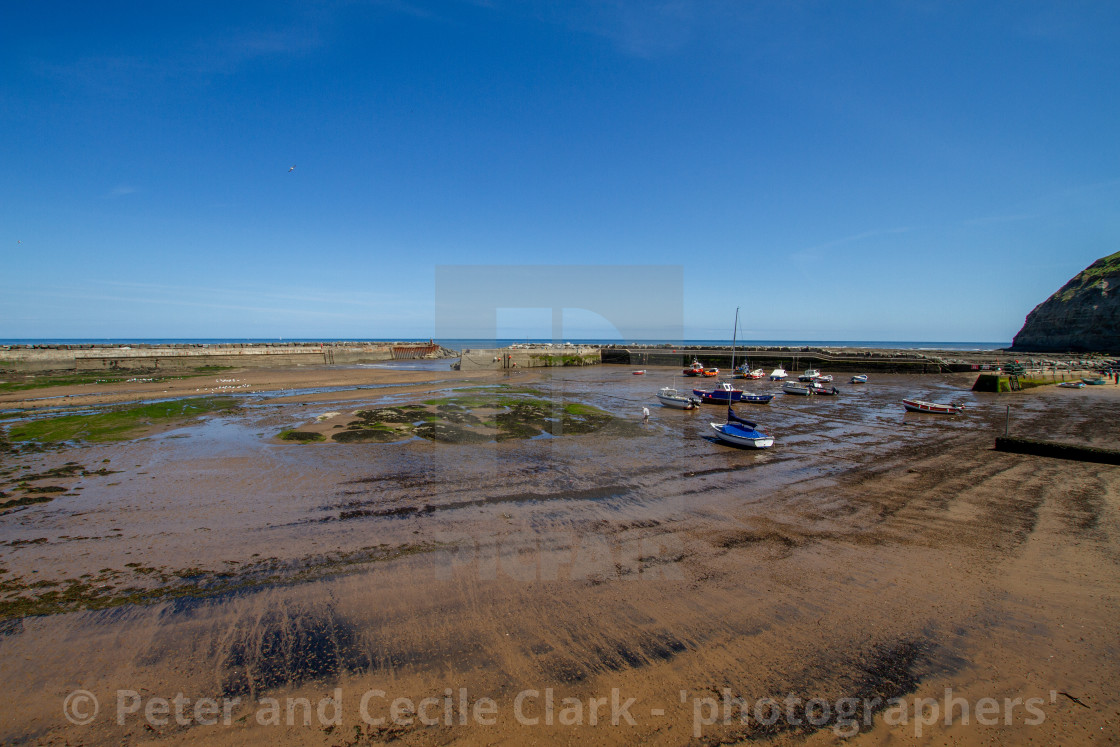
x=670, y=397
x=917, y=405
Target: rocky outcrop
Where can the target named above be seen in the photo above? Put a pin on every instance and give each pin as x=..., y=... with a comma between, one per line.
x=1083, y=316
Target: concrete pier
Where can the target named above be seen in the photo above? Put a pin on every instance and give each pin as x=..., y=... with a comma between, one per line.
x=188, y=357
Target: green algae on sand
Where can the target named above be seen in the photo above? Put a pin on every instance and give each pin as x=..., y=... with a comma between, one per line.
x=117, y=424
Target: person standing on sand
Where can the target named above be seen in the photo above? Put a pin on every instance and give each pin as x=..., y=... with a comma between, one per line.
x=645, y=414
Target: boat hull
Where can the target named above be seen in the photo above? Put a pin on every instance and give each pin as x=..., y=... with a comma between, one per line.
x=671, y=397
x=798, y=389
x=719, y=396
x=917, y=405
x=677, y=403
x=733, y=434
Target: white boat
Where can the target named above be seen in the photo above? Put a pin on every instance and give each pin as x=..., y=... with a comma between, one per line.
x=861, y=379
x=758, y=373
x=742, y=433
x=1072, y=384
x=823, y=378
x=792, y=387
x=917, y=405
x=670, y=397
x=778, y=374
x=809, y=375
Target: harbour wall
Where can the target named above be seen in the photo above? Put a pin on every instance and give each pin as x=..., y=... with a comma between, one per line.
x=496, y=359
x=795, y=360
x=140, y=357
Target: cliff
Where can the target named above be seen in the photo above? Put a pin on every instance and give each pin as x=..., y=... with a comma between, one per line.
x=1082, y=316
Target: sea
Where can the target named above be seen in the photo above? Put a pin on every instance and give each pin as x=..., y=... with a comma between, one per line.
x=461, y=344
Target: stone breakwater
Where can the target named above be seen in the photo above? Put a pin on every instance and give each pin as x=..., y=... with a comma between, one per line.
x=189, y=357
x=840, y=359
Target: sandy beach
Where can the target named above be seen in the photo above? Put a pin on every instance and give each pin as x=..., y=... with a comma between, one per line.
x=595, y=580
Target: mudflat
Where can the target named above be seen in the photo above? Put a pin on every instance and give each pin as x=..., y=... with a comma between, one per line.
x=494, y=558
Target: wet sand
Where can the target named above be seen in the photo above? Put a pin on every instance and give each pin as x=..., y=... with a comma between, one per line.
x=870, y=554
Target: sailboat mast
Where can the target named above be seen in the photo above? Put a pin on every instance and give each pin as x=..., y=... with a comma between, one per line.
x=734, y=334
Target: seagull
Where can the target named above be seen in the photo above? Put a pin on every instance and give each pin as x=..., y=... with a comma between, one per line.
x=291, y=169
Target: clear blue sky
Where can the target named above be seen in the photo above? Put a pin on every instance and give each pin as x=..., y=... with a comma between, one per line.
x=840, y=170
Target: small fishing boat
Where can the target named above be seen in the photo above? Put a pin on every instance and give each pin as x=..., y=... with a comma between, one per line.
x=722, y=394
x=823, y=377
x=756, y=399
x=670, y=397
x=757, y=373
x=696, y=369
x=711, y=372
x=1100, y=381
x=741, y=432
x=792, y=387
x=917, y=405
x=1072, y=384
x=809, y=375
x=778, y=374
x=640, y=373
x=861, y=379
x=819, y=388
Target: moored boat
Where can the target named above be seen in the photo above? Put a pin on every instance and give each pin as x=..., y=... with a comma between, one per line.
x=809, y=375
x=640, y=373
x=670, y=397
x=861, y=379
x=1099, y=381
x=722, y=394
x=711, y=372
x=741, y=432
x=792, y=387
x=696, y=369
x=1072, y=384
x=819, y=388
x=736, y=430
x=917, y=405
x=778, y=374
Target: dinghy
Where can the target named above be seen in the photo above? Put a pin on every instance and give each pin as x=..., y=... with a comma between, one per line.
x=917, y=405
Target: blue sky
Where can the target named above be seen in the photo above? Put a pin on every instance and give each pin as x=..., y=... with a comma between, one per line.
x=849, y=171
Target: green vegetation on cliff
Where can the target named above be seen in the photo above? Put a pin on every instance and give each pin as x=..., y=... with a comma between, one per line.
x=1103, y=268
x=1082, y=316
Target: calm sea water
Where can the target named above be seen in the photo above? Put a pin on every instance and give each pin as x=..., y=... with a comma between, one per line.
x=482, y=343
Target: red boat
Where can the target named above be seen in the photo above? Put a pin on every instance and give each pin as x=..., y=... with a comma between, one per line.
x=917, y=405
x=696, y=369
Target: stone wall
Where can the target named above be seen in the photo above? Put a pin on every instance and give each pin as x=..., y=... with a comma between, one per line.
x=536, y=357
x=189, y=357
